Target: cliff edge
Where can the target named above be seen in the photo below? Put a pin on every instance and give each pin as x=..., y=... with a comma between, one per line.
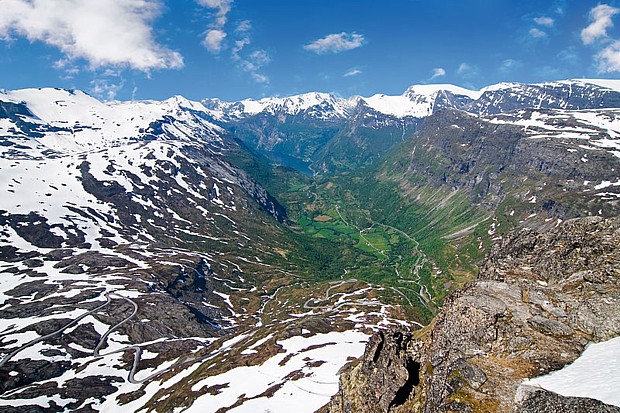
x=539, y=299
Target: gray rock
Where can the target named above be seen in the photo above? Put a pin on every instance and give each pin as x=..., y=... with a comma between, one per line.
x=548, y=326
x=536, y=400
x=534, y=307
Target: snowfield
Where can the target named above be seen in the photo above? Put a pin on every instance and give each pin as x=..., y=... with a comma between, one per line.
x=595, y=374
x=133, y=254
x=316, y=360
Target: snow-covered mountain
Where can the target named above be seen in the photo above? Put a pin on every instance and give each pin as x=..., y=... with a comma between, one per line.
x=140, y=265
x=316, y=105
x=420, y=101
x=417, y=101
x=318, y=132
x=76, y=120
x=134, y=254
x=568, y=94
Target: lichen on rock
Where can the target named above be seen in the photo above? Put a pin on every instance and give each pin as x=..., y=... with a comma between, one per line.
x=539, y=299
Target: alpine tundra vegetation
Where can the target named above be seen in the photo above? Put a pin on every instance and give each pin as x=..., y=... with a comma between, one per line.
x=451, y=248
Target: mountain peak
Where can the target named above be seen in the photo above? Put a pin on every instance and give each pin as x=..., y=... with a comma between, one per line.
x=433, y=89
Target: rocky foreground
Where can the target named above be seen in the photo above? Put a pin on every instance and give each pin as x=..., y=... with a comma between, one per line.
x=540, y=298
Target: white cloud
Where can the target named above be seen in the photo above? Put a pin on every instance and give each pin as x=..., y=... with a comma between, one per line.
x=244, y=27
x=544, y=21
x=353, y=72
x=239, y=45
x=67, y=66
x=243, y=39
x=510, y=65
x=215, y=35
x=608, y=59
x=537, y=33
x=260, y=57
x=438, y=72
x=104, y=33
x=336, y=43
x=253, y=63
x=213, y=40
x=250, y=62
x=467, y=71
x=222, y=7
x=600, y=16
x=569, y=56
x=105, y=89
x=259, y=78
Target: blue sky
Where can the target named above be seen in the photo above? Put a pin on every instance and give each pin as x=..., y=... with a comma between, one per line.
x=234, y=49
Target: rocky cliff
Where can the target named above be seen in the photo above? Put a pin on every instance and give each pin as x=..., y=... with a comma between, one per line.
x=540, y=298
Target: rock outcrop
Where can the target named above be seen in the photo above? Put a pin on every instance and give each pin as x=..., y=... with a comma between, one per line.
x=540, y=298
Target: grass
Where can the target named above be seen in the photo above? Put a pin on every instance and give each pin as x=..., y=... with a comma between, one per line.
x=370, y=226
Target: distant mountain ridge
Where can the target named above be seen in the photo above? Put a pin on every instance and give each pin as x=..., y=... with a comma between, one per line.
x=423, y=100
x=312, y=132
x=320, y=132
x=153, y=257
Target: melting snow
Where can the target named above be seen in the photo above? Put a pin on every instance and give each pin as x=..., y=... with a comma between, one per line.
x=307, y=394
x=596, y=374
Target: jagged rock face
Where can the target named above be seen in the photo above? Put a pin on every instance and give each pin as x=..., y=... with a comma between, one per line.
x=539, y=299
x=385, y=377
x=530, y=165
x=558, y=95
x=536, y=400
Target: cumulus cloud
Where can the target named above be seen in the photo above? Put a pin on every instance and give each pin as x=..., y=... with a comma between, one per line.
x=544, y=21
x=213, y=40
x=608, y=59
x=600, y=17
x=336, y=43
x=537, y=33
x=438, y=72
x=215, y=35
x=353, y=72
x=104, y=33
x=222, y=8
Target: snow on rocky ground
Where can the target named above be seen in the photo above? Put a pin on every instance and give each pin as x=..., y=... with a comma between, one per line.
x=75, y=316
x=596, y=128
x=595, y=374
x=301, y=379
x=587, y=132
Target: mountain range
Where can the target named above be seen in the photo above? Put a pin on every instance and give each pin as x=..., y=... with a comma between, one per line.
x=158, y=255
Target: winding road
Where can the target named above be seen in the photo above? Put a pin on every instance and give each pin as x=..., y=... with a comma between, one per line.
x=424, y=294
x=97, y=353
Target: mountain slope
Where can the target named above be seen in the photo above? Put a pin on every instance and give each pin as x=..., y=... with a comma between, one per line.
x=321, y=133
x=133, y=253
x=152, y=258
x=539, y=299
